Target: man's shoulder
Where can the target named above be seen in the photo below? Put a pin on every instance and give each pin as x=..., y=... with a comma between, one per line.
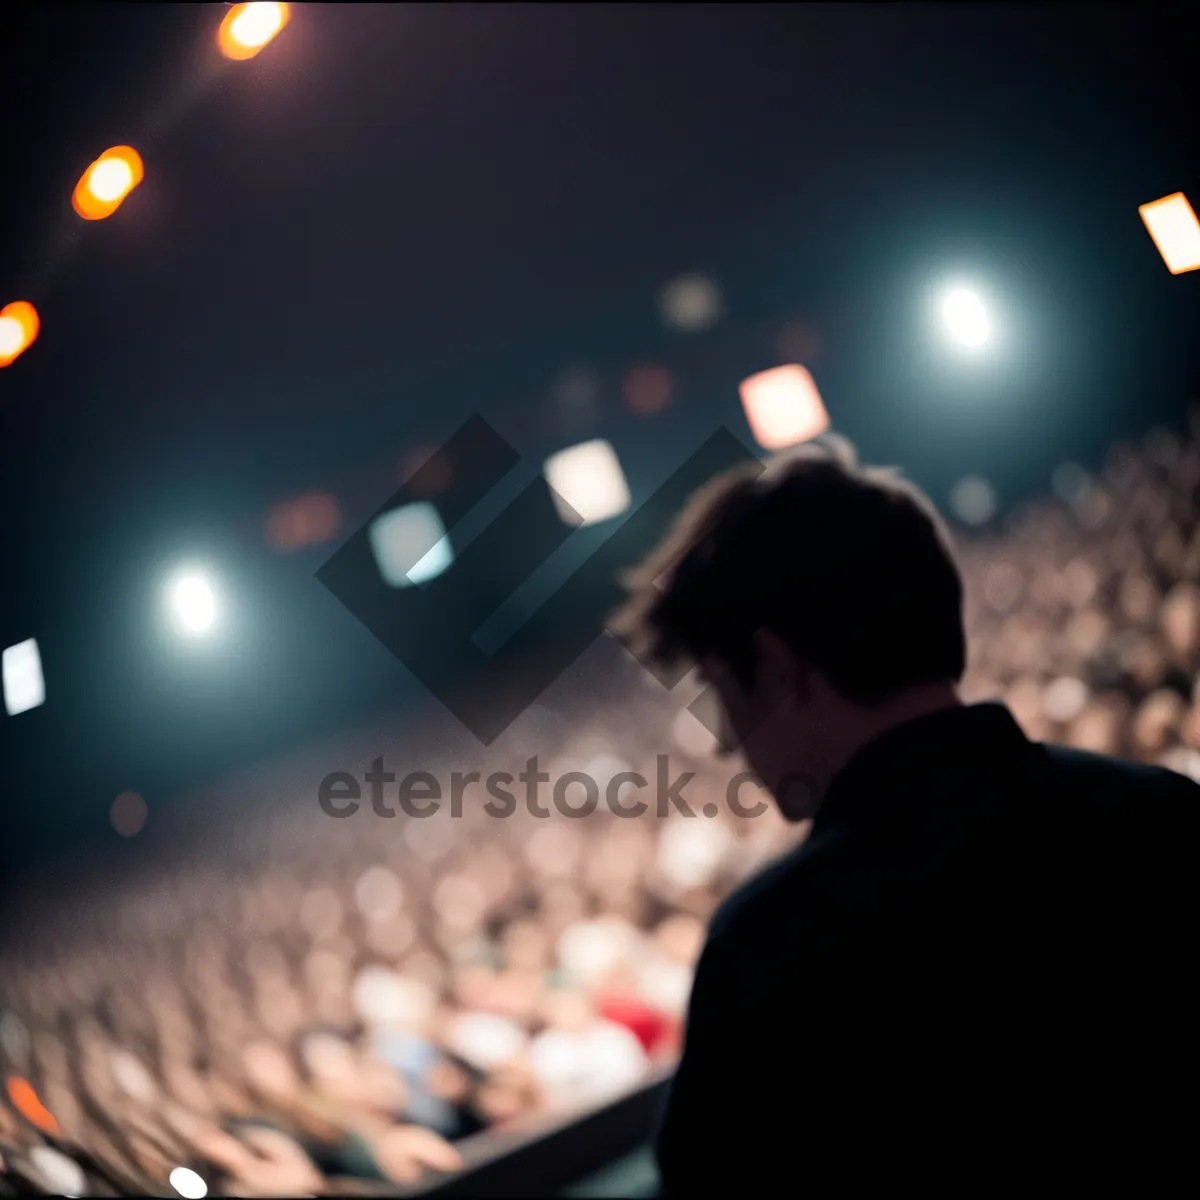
x=759, y=897
x=1101, y=781
x=1082, y=786
x=1119, y=770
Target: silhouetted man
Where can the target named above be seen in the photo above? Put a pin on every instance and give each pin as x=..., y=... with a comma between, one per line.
x=975, y=967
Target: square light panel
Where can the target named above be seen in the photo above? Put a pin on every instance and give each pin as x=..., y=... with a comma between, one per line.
x=783, y=407
x=587, y=483
x=1172, y=224
x=24, y=684
x=410, y=545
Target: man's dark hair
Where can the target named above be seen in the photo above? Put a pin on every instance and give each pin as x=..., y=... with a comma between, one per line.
x=849, y=565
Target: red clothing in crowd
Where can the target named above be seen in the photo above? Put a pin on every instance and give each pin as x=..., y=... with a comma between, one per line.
x=647, y=1024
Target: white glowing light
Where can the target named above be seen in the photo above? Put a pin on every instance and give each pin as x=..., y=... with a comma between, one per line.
x=24, y=684
x=195, y=604
x=110, y=179
x=783, y=406
x=587, y=483
x=64, y=1176
x=258, y=24
x=188, y=1184
x=410, y=545
x=966, y=318
x=12, y=336
x=1172, y=224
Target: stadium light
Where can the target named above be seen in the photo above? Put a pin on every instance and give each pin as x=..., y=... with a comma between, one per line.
x=587, y=483
x=19, y=325
x=24, y=683
x=410, y=545
x=188, y=1183
x=106, y=183
x=1172, y=223
x=194, y=603
x=965, y=318
x=783, y=406
x=247, y=28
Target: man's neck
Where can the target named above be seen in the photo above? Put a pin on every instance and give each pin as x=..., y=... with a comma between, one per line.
x=878, y=719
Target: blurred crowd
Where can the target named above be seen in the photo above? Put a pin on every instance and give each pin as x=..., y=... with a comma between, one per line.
x=305, y=1002
x=303, y=1006
x=1084, y=614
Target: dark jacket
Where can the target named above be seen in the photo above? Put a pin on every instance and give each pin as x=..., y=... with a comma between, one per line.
x=978, y=966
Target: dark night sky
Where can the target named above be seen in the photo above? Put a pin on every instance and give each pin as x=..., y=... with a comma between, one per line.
x=398, y=215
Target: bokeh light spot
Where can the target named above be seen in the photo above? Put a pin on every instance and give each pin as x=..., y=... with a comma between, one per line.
x=128, y=814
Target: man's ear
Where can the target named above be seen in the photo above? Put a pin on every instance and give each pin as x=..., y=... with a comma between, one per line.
x=778, y=666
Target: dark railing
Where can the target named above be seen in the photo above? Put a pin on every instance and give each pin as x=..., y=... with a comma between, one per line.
x=546, y=1158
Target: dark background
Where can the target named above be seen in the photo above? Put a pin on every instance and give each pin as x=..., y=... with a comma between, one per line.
x=397, y=216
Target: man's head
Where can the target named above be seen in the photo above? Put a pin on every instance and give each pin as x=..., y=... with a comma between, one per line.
x=820, y=599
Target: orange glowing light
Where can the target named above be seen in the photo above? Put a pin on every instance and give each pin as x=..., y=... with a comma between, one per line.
x=307, y=521
x=1172, y=223
x=783, y=407
x=25, y=1101
x=247, y=28
x=19, y=325
x=107, y=182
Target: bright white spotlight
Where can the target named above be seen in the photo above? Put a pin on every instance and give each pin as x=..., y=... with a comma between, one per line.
x=586, y=482
x=258, y=24
x=194, y=603
x=966, y=318
x=24, y=684
x=187, y=1183
x=1172, y=224
x=110, y=179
